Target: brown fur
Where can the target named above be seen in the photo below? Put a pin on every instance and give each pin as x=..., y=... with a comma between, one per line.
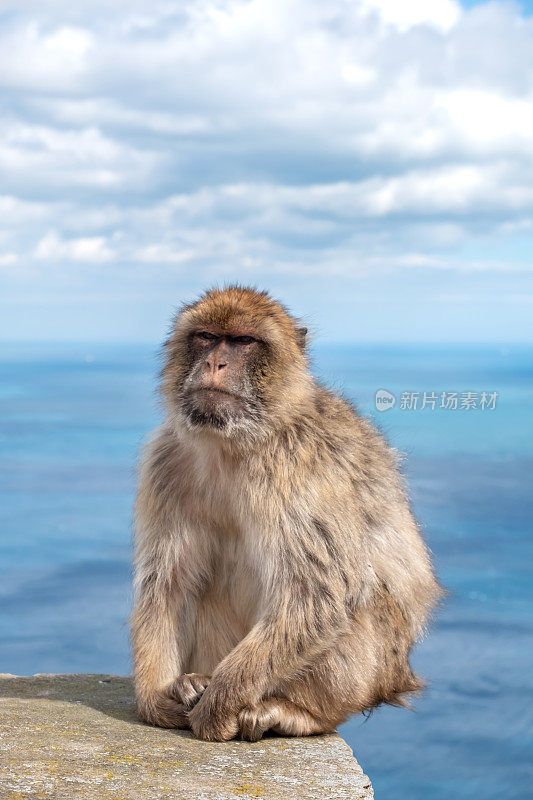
x=274, y=551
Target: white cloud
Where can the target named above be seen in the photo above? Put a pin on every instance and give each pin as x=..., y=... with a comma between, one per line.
x=16, y=212
x=35, y=58
x=105, y=112
x=487, y=122
x=37, y=156
x=161, y=253
x=93, y=249
x=8, y=259
x=263, y=132
x=441, y=14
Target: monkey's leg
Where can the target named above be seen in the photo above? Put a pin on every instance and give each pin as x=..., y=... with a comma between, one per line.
x=360, y=669
x=279, y=715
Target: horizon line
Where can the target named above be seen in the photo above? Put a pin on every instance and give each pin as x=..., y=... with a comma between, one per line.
x=313, y=342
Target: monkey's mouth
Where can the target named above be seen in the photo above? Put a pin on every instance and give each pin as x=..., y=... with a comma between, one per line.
x=218, y=408
x=210, y=406
x=212, y=399
x=217, y=390
x=213, y=394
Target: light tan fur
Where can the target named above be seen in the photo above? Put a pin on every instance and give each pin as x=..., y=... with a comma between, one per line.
x=280, y=577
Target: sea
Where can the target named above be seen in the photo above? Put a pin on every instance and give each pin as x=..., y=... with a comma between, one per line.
x=72, y=420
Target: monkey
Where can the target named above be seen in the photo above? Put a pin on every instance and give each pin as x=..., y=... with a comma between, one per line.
x=280, y=577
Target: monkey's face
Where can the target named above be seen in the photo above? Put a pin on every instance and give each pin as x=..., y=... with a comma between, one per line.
x=235, y=364
x=222, y=386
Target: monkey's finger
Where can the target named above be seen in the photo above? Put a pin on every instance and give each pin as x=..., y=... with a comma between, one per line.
x=173, y=690
x=188, y=691
x=200, y=682
x=192, y=703
x=182, y=690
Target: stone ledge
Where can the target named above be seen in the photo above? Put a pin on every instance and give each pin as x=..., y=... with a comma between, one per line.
x=77, y=736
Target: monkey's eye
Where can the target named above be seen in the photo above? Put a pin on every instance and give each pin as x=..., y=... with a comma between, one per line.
x=243, y=339
x=206, y=335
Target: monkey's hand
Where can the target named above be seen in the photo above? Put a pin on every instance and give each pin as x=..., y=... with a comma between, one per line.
x=165, y=712
x=214, y=717
x=188, y=688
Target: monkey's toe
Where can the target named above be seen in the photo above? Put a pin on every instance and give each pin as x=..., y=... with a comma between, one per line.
x=188, y=688
x=250, y=729
x=254, y=721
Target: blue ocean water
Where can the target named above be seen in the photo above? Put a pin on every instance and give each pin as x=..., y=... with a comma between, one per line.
x=72, y=418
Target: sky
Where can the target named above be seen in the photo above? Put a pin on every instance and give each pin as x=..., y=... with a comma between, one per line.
x=369, y=162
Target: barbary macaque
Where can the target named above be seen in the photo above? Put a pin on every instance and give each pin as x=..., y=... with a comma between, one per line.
x=280, y=577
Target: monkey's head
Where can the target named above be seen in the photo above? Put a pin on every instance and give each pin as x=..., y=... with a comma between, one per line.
x=235, y=363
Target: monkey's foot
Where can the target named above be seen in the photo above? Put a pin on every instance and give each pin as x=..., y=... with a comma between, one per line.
x=280, y=715
x=255, y=720
x=163, y=711
x=188, y=688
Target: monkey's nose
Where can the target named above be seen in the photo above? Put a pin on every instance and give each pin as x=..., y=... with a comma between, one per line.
x=216, y=365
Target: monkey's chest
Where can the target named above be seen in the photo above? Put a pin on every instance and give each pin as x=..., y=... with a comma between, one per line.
x=227, y=609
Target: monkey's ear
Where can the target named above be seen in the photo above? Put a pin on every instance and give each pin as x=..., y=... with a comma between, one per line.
x=301, y=333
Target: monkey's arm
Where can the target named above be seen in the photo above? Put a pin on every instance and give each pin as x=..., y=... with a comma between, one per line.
x=166, y=584
x=161, y=630
x=299, y=623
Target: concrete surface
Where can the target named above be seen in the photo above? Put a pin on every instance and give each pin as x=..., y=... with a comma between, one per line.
x=77, y=736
